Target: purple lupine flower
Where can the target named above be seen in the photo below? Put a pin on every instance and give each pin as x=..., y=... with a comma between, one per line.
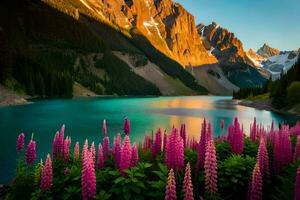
x=165, y=140
x=106, y=147
x=297, y=150
x=209, y=135
x=297, y=185
x=88, y=177
x=100, y=160
x=47, y=175
x=55, y=145
x=263, y=158
x=210, y=168
x=175, y=151
x=104, y=128
x=295, y=130
x=30, y=155
x=147, y=142
x=171, y=187
x=76, y=150
x=93, y=150
x=116, y=149
x=183, y=134
x=126, y=126
x=156, y=147
x=201, y=147
x=187, y=184
x=253, y=130
x=20, y=142
x=256, y=184
x=125, y=159
x=236, y=137
x=134, y=156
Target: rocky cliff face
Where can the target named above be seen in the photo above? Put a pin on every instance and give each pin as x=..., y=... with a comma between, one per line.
x=266, y=51
x=223, y=44
x=167, y=25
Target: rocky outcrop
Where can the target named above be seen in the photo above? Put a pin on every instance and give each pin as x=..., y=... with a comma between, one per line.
x=223, y=44
x=266, y=51
x=167, y=25
x=255, y=58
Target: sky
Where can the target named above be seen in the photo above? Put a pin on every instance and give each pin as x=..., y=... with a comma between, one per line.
x=254, y=22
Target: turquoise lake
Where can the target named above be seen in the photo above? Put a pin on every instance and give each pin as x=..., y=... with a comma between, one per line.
x=83, y=119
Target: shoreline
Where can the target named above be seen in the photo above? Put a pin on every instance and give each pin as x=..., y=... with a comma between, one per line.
x=265, y=105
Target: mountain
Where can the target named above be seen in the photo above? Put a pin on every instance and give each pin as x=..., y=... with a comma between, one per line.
x=255, y=57
x=101, y=45
x=266, y=51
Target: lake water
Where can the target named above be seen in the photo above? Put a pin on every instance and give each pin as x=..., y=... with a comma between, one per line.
x=83, y=118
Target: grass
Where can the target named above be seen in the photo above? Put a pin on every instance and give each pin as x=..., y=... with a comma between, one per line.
x=265, y=96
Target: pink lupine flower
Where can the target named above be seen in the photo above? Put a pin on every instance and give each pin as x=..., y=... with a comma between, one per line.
x=156, y=147
x=104, y=128
x=88, y=177
x=116, y=149
x=201, y=147
x=256, y=184
x=66, y=150
x=47, y=175
x=55, y=145
x=30, y=155
x=171, y=187
x=76, y=150
x=175, y=151
x=147, y=142
x=297, y=150
x=93, y=150
x=187, y=184
x=100, y=160
x=183, y=134
x=297, y=185
x=20, y=142
x=61, y=139
x=253, y=131
x=165, y=140
x=236, y=138
x=134, y=156
x=210, y=168
x=125, y=159
x=106, y=147
x=263, y=158
x=126, y=126
x=295, y=130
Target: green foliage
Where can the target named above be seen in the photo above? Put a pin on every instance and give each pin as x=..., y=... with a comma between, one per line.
x=223, y=150
x=233, y=175
x=293, y=93
x=250, y=148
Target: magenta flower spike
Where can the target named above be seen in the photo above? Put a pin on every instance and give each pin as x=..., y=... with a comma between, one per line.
x=253, y=130
x=100, y=160
x=55, y=145
x=47, y=175
x=104, y=128
x=171, y=187
x=30, y=155
x=134, y=156
x=20, y=142
x=183, y=134
x=165, y=140
x=236, y=137
x=297, y=149
x=93, y=151
x=187, y=184
x=256, y=184
x=88, y=177
x=66, y=150
x=126, y=126
x=175, y=151
x=222, y=125
x=156, y=147
x=106, y=147
x=297, y=185
x=116, y=149
x=61, y=139
x=125, y=160
x=201, y=147
x=209, y=135
x=76, y=150
x=147, y=142
x=263, y=158
x=210, y=168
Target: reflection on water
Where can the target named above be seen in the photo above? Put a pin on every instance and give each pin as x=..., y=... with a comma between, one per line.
x=83, y=118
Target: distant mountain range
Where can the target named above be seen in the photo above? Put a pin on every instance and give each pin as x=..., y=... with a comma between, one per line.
x=123, y=47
